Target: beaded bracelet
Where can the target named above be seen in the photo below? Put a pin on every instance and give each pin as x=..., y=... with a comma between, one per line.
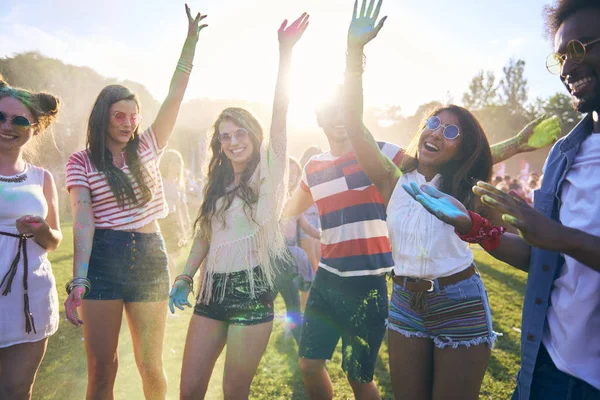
x=482, y=232
x=187, y=278
x=362, y=67
x=79, y=281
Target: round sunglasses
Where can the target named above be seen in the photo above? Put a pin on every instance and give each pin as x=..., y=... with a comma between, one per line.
x=17, y=121
x=121, y=118
x=576, y=52
x=450, y=132
x=225, y=137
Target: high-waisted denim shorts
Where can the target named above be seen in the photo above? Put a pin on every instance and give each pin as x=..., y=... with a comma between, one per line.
x=130, y=266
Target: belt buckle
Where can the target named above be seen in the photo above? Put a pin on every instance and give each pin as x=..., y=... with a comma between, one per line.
x=432, y=285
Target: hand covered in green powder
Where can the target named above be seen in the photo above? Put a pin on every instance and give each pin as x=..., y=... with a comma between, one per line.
x=539, y=133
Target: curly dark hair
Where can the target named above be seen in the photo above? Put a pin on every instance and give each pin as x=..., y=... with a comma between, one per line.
x=562, y=9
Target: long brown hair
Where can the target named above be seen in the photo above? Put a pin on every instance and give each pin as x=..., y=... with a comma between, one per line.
x=473, y=164
x=102, y=158
x=220, y=173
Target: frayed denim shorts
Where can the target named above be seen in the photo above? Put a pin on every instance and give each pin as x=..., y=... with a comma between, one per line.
x=455, y=315
x=130, y=266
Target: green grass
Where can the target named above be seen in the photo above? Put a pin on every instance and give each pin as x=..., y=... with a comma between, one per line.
x=63, y=374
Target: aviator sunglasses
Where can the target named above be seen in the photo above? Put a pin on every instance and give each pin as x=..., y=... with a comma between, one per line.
x=576, y=52
x=18, y=121
x=240, y=134
x=450, y=132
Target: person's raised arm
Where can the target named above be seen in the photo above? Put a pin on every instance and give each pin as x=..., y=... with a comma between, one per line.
x=300, y=201
x=380, y=169
x=288, y=36
x=167, y=115
x=184, y=283
x=308, y=228
x=539, y=133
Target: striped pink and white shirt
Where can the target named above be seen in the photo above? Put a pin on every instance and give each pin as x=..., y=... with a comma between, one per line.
x=107, y=213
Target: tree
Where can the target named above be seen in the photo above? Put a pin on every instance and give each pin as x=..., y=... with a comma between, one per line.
x=514, y=86
x=483, y=91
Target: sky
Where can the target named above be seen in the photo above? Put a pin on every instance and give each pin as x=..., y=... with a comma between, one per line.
x=427, y=50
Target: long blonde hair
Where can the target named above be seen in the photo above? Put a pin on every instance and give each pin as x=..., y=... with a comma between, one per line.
x=172, y=161
x=220, y=173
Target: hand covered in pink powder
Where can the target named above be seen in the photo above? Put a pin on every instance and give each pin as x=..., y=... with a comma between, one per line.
x=289, y=35
x=31, y=225
x=71, y=304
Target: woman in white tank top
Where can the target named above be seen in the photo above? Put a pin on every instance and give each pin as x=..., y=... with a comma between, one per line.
x=29, y=228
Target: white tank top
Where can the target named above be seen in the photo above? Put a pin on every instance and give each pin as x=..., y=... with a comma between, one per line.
x=422, y=245
x=22, y=198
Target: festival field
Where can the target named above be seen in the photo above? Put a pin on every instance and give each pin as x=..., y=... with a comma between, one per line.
x=63, y=373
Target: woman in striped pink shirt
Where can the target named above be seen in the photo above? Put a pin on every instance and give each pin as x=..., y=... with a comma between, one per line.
x=120, y=261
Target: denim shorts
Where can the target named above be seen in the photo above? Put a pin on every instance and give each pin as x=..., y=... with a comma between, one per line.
x=456, y=315
x=351, y=308
x=130, y=266
x=238, y=306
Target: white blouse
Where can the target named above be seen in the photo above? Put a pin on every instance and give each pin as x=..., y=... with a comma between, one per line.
x=422, y=245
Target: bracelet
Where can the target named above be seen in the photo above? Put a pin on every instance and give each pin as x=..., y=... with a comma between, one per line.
x=184, y=66
x=79, y=281
x=482, y=232
x=187, y=278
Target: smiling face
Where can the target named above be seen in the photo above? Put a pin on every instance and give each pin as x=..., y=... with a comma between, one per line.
x=434, y=150
x=582, y=80
x=12, y=137
x=238, y=148
x=122, y=123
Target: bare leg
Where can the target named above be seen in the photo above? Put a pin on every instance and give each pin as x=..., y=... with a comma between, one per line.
x=147, y=325
x=19, y=364
x=101, y=326
x=245, y=348
x=316, y=379
x=458, y=373
x=365, y=391
x=411, y=366
x=204, y=343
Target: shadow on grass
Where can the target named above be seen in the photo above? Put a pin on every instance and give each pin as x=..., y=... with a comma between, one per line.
x=510, y=281
x=285, y=345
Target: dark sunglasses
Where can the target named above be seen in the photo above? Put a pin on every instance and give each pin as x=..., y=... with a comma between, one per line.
x=576, y=52
x=121, y=118
x=450, y=132
x=240, y=134
x=18, y=121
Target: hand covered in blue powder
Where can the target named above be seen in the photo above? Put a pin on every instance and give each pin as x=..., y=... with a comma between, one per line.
x=362, y=28
x=445, y=207
x=179, y=295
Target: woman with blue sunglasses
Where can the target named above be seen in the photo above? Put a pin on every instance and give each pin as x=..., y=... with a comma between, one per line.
x=29, y=229
x=440, y=328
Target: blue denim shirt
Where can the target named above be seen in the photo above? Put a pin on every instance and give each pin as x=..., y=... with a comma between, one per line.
x=544, y=265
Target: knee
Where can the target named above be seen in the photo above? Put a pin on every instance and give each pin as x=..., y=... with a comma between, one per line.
x=103, y=369
x=233, y=390
x=311, y=367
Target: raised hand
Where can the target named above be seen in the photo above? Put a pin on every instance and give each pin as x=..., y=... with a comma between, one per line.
x=194, y=26
x=179, y=295
x=534, y=227
x=71, y=304
x=445, y=207
x=363, y=28
x=289, y=35
x=539, y=133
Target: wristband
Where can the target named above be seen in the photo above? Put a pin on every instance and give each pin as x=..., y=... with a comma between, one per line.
x=187, y=278
x=79, y=281
x=482, y=232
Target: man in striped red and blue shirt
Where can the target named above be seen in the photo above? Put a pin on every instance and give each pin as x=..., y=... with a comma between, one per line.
x=348, y=297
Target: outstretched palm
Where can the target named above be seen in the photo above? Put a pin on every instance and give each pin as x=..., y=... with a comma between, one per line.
x=446, y=208
x=289, y=35
x=363, y=28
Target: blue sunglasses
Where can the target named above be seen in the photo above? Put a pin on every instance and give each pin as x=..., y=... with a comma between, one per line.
x=450, y=132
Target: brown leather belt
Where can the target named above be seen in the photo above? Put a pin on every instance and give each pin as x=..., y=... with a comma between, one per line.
x=426, y=285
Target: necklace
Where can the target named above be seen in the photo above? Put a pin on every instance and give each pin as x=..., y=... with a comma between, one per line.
x=15, y=179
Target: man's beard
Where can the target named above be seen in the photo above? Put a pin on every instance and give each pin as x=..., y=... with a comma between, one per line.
x=589, y=105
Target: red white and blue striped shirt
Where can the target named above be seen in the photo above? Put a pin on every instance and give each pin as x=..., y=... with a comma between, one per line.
x=354, y=234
